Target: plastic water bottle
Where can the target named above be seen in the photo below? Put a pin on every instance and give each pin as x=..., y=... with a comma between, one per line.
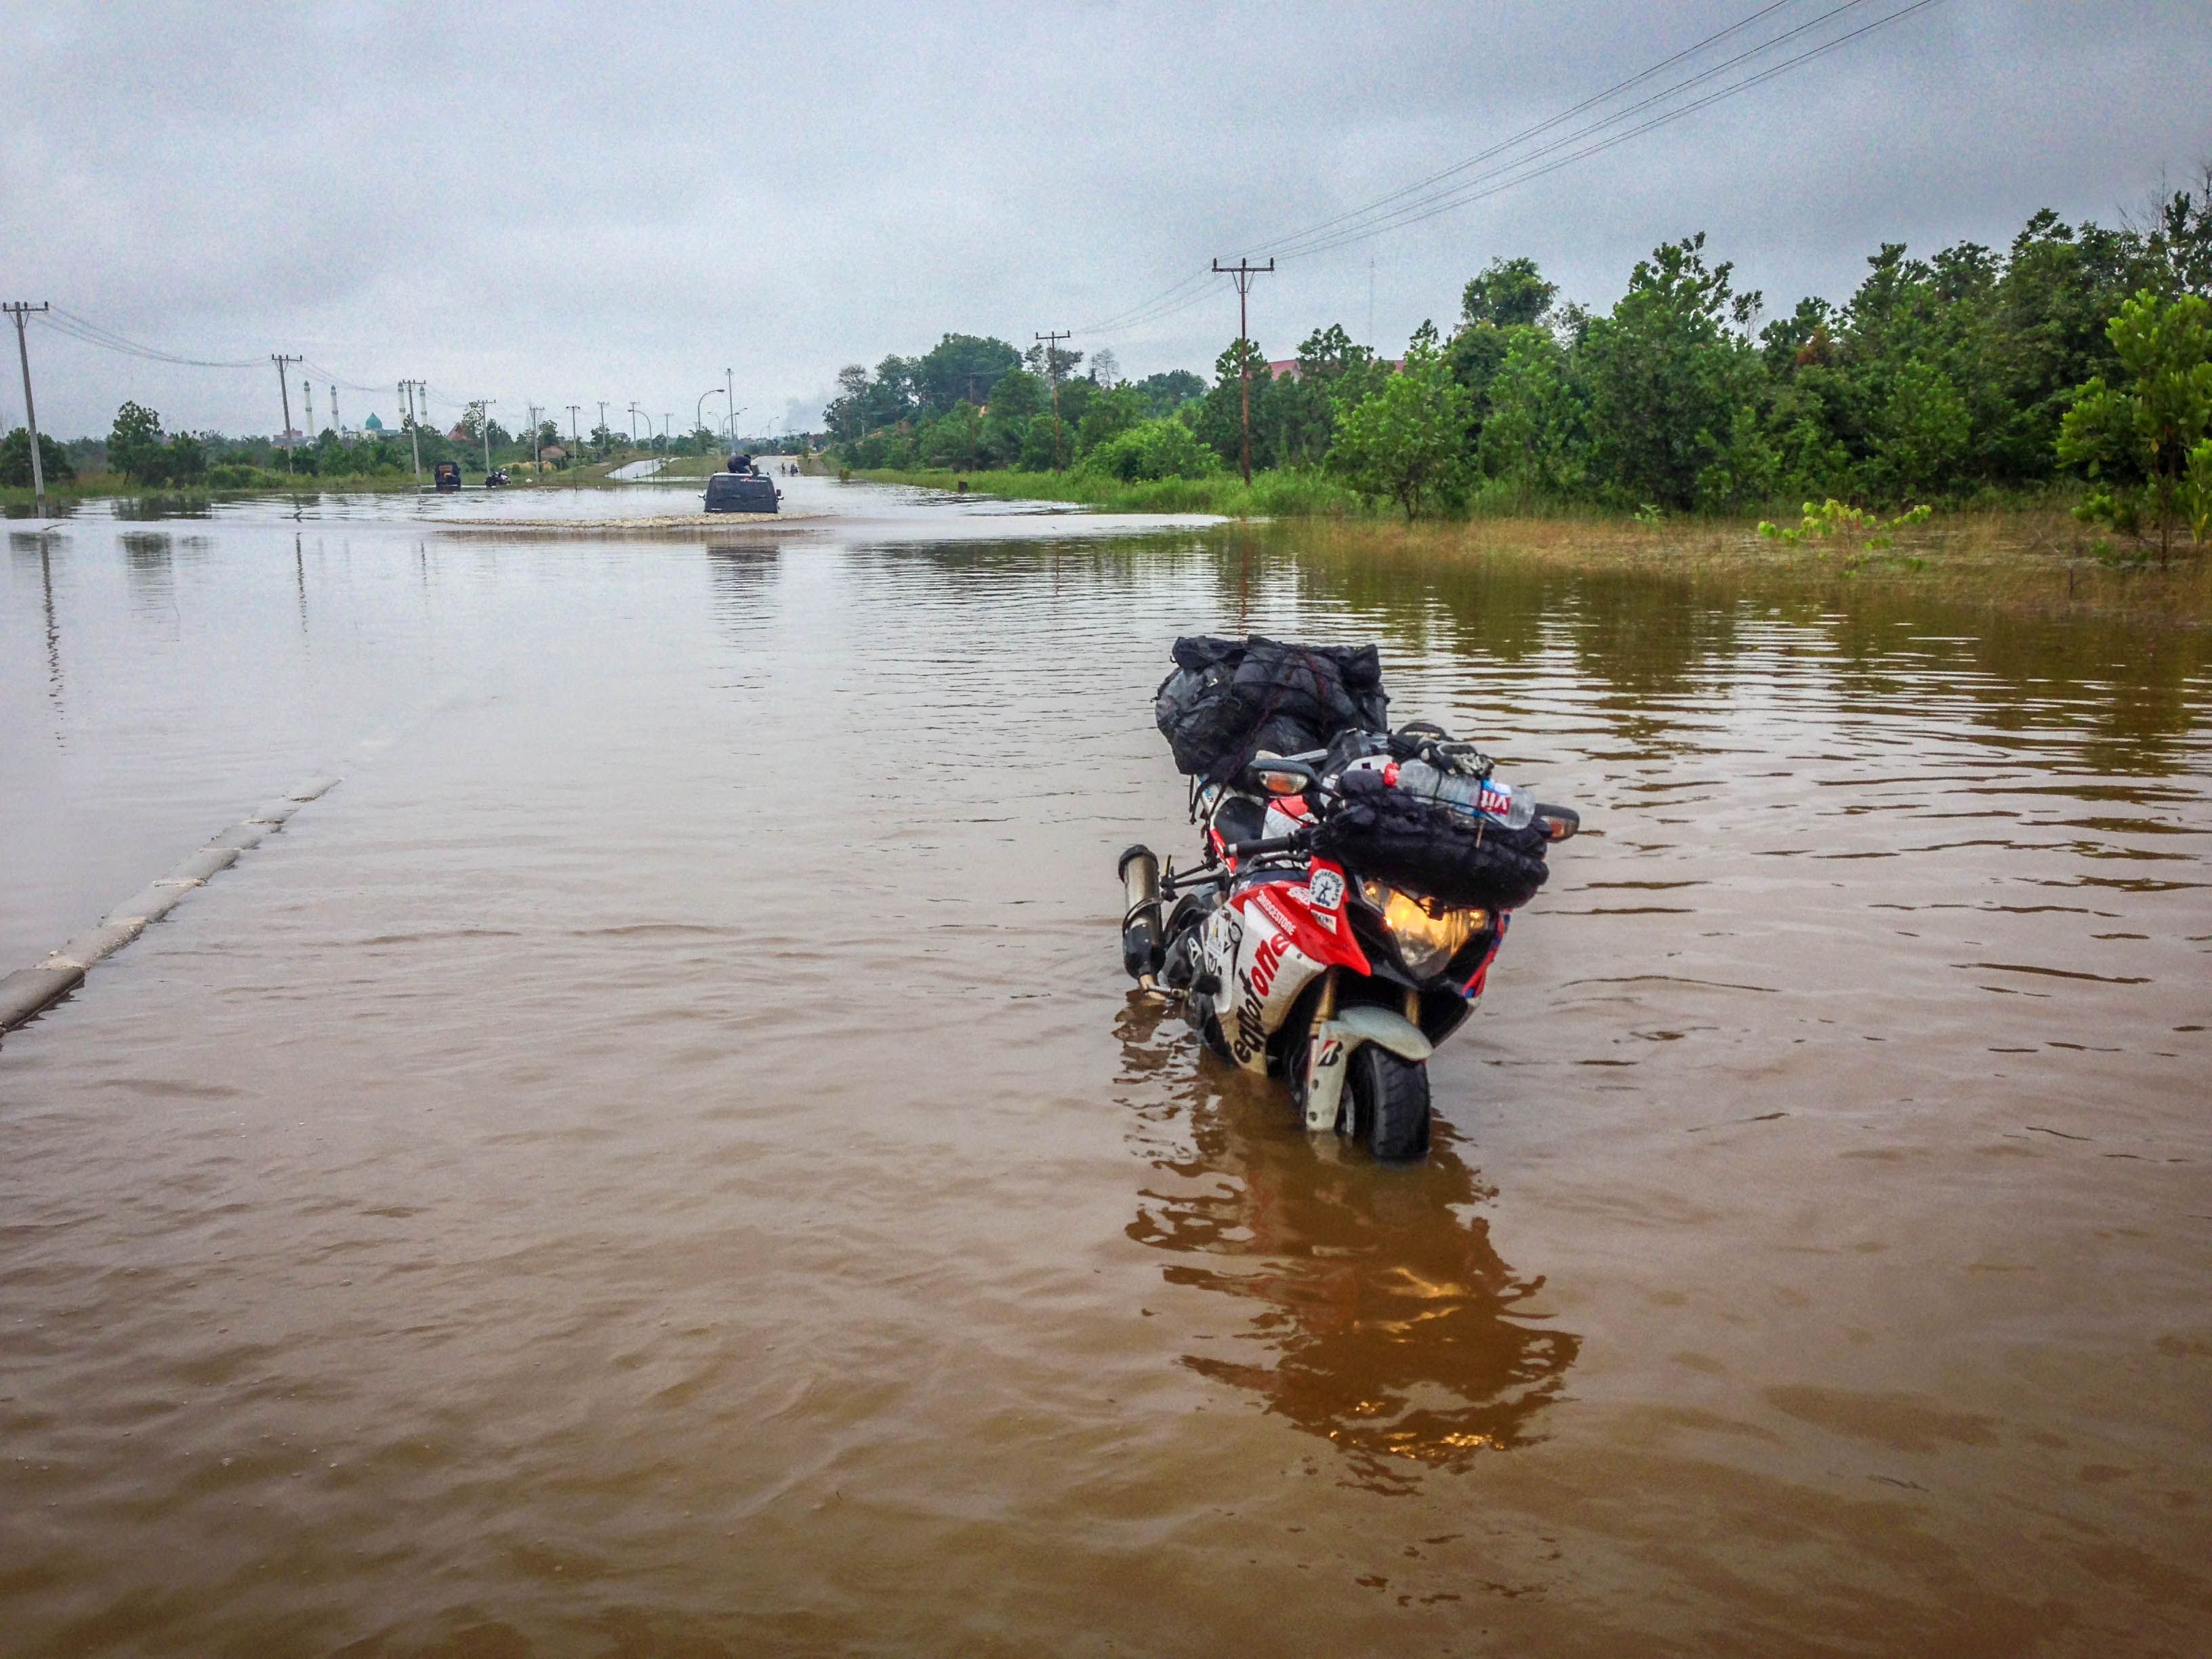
x=1478, y=797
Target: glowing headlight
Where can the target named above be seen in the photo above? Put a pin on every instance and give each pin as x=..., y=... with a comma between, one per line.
x=1425, y=943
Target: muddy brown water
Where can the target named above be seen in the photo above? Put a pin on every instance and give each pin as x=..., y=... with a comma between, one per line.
x=663, y=1159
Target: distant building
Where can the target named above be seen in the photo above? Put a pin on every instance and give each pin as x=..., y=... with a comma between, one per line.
x=374, y=426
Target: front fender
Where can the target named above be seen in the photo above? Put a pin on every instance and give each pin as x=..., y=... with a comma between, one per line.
x=1329, y=1051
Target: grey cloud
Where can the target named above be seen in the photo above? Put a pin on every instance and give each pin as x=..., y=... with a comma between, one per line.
x=598, y=203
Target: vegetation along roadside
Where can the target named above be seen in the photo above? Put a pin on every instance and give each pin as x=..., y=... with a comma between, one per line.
x=2073, y=367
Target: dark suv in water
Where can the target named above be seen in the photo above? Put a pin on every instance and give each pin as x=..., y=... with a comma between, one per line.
x=741, y=492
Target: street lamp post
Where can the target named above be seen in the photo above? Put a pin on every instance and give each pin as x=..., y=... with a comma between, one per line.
x=699, y=410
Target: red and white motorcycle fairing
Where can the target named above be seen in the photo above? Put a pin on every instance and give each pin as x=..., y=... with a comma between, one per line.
x=1264, y=947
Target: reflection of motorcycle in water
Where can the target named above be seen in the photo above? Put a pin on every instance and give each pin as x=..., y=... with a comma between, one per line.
x=1382, y=1319
x=1356, y=885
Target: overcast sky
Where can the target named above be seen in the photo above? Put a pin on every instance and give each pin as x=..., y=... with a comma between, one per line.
x=567, y=206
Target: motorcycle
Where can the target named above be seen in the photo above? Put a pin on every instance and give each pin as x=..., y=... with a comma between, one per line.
x=1343, y=919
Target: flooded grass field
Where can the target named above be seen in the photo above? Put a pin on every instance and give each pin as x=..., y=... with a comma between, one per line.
x=663, y=1158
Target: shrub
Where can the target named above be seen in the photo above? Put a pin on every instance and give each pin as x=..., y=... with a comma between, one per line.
x=1151, y=450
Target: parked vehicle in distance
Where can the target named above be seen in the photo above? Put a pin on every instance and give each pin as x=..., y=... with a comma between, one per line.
x=446, y=477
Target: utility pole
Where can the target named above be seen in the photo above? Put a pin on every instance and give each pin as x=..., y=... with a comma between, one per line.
x=19, y=310
x=633, y=422
x=602, y=426
x=536, y=441
x=1051, y=339
x=576, y=444
x=1241, y=274
x=730, y=403
x=407, y=390
x=284, y=391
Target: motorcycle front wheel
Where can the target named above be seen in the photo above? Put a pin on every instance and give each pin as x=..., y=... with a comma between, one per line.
x=1390, y=1101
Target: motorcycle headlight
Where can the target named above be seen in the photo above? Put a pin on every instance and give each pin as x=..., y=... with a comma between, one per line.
x=1425, y=943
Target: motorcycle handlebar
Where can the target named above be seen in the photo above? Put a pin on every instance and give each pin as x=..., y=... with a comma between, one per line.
x=1242, y=850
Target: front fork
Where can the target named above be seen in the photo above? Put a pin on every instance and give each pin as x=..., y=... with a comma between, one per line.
x=1337, y=1036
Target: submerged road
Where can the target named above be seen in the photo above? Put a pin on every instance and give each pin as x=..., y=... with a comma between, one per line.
x=665, y=1159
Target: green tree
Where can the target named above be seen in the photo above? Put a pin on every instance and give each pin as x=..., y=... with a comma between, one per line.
x=1925, y=430
x=1170, y=390
x=184, y=459
x=1408, y=441
x=1669, y=370
x=1508, y=294
x=135, y=443
x=1110, y=414
x=1017, y=399
x=2137, y=440
x=1044, y=444
x=1535, y=436
x=1164, y=448
x=1332, y=368
x=16, y=460
x=1219, y=418
x=961, y=368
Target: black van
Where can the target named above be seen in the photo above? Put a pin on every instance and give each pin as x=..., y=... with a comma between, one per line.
x=446, y=477
x=741, y=492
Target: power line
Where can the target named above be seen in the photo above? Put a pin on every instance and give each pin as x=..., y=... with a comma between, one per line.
x=1188, y=283
x=1290, y=246
x=1462, y=194
x=96, y=334
x=1382, y=217
x=336, y=378
x=1466, y=191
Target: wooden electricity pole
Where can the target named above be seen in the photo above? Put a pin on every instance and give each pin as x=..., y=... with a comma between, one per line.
x=19, y=309
x=1052, y=340
x=1241, y=274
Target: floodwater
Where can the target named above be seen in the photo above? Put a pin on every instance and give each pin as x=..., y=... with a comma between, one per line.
x=662, y=1159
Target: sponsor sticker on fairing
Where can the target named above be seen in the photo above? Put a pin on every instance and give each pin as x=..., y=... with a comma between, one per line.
x=1326, y=890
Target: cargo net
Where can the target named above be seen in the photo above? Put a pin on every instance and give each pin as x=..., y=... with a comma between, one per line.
x=1228, y=699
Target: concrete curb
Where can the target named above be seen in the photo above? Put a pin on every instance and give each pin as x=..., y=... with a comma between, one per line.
x=29, y=991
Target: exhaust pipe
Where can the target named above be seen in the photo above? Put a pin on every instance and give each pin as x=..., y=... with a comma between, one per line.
x=1142, y=951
